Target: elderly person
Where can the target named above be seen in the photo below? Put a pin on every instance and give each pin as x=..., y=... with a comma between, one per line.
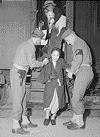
x=24, y=58
x=52, y=76
x=81, y=67
x=56, y=17
x=53, y=21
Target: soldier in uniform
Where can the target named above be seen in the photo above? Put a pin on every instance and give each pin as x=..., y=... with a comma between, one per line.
x=24, y=58
x=81, y=68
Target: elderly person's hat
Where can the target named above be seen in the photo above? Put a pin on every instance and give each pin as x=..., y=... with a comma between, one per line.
x=67, y=32
x=49, y=3
x=38, y=33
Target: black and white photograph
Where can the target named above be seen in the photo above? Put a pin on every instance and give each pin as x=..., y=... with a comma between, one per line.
x=49, y=68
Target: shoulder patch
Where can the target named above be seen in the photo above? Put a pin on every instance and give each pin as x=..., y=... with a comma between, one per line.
x=79, y=51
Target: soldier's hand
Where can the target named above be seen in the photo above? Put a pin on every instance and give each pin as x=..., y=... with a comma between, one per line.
x=70, y=75
x=67, y=70
x=45, y=61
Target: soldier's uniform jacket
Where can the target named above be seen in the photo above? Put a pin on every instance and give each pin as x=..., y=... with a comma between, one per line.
x=25, y=56
x=81, y=55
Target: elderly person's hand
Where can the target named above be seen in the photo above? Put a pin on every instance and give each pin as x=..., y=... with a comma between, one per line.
x=51, y=21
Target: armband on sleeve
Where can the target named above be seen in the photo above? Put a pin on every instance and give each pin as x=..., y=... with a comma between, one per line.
x=79, y=52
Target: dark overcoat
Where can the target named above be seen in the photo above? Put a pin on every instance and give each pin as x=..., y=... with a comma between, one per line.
x=50, y=75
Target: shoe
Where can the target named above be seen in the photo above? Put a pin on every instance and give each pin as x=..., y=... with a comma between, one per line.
x=74, y=126
x=67, y=123
x=47, y=121
x=30, y=125
x=53, y=121
x=20, y=131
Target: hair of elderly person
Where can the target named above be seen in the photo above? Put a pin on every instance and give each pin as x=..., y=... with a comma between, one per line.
x=56, y=49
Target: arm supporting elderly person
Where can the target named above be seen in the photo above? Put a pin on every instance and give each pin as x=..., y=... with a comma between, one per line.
x=76, y=63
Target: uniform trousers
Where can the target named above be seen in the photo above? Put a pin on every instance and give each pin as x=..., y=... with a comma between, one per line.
x=84, y=77
x=18, y=93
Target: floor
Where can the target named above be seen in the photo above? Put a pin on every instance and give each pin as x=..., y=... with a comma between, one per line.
x=92, y=126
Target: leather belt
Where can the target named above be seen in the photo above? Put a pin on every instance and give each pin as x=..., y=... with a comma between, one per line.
x=19, y=67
